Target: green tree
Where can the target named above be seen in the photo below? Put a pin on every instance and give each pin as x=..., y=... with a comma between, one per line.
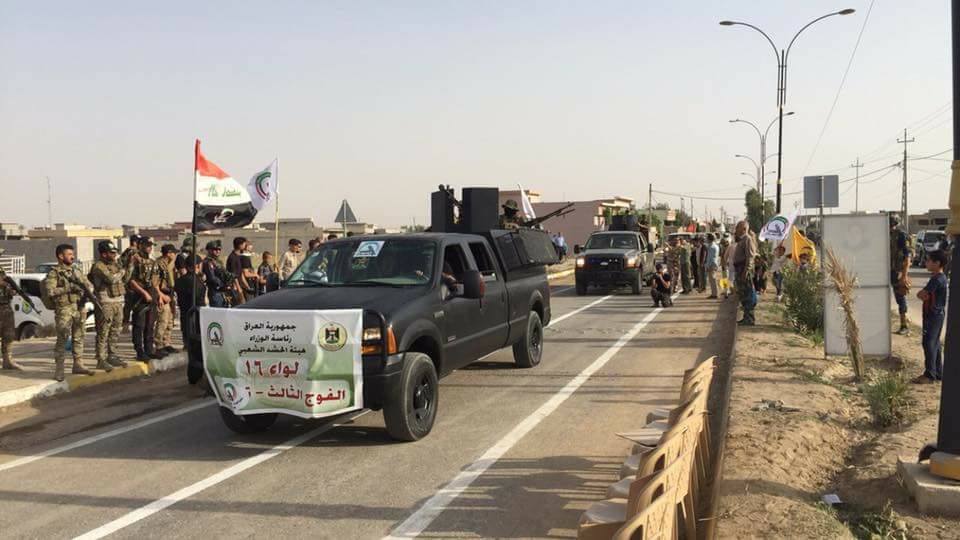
x=759, y=212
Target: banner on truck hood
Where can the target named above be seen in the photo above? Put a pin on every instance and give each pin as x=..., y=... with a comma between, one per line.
x=301, y=362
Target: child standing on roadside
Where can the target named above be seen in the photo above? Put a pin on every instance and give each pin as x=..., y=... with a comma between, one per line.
x=934, y=297
x=779, y=258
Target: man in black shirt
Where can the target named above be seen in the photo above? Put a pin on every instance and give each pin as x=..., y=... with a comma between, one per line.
x=240, y=265
x=660, y=288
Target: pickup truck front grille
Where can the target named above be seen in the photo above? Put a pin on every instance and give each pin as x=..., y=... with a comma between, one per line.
x=612, y=263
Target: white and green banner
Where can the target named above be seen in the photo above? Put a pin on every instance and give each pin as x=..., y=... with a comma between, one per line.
x=301, y=362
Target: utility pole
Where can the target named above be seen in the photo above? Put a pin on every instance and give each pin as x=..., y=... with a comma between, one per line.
x=49, y=204
x=857, y=166
x=903, y=201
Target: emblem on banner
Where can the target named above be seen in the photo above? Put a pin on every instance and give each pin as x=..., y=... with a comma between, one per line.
x=333, y=336
x=215, y=334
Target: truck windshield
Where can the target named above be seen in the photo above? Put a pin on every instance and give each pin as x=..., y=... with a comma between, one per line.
x=389, y=262
x=612, y=241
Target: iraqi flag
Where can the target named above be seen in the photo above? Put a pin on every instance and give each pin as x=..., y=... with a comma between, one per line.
x=220, y=201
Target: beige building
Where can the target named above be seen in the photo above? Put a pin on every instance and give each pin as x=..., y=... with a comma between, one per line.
x=39, y=246
x=932, y=220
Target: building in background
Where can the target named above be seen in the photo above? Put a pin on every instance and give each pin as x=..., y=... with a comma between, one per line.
x=12, y=231
x=932, y=220
x=39, y=245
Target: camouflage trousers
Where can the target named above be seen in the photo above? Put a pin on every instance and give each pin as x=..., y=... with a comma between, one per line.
x=109, y=325
x=69, y=323
x=161, y=338
x=7, y=330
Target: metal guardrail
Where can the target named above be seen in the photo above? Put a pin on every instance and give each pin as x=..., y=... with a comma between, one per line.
x=14, y=265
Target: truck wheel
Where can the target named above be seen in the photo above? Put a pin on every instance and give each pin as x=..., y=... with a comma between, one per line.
x=581, y=288
x=249, y=423
x=411, y=408
x=527, y=351
x=27, y=331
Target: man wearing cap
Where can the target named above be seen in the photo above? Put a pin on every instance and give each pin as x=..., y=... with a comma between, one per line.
x=186, y=249
x=64, y=285
x=107, y=277
x=510, y=219
x=165, y=305
x=215, y=275
x=143, y=284
x=126, y=262
x=291, y=258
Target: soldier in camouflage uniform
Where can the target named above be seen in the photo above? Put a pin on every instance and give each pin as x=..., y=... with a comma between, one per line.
x=63, y=285
x=127, y=258
x=7, y=330
x=744, y=258
x=108, y=277
x=685, y=268
x=165, y=305
x=901, y=252
x=672, y=257
x=144, y=278
x=510, y=219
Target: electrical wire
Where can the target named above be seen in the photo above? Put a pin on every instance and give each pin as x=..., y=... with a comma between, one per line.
x=843, y=81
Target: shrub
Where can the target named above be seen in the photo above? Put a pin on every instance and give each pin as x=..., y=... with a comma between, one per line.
x=889, y=399
x=803, y=299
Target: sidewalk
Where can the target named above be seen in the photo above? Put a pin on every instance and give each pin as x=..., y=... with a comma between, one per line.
x=36, y=358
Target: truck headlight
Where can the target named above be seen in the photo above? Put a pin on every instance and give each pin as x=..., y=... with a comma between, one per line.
x=581, y=262
x=371, y=334
x=631, y=262
x=373, y=341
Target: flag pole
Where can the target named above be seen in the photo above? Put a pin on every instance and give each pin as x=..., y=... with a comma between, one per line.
x=188, y=332
x=276, y=213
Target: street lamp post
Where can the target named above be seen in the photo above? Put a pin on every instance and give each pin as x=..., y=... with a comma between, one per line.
x=758, y=166
x=782, y=57
x=763, y=148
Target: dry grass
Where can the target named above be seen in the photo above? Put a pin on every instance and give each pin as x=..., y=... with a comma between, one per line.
x=844, y=283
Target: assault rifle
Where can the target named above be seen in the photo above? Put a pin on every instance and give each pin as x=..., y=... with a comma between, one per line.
x=562, y=211
x=86, y=292
x=16, y=288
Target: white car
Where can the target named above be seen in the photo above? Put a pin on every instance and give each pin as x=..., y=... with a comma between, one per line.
x=27, y=321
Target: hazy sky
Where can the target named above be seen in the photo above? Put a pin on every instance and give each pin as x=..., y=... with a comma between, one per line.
x=378, y=102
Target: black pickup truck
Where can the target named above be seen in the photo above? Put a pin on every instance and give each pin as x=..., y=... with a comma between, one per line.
x=433, y=303
x=614, y=258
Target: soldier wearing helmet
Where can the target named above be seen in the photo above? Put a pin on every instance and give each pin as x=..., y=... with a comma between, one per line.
x=510, y=219
x=901, y=249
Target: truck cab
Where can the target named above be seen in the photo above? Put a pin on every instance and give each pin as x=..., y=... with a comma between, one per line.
x=614, y=259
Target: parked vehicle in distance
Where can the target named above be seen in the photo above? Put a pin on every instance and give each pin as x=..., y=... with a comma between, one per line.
x=613, y=258
x=29, y=322
x=926, y=242
x=432, y=303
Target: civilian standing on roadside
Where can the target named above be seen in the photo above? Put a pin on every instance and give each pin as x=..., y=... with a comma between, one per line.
x=711, y=263
x=695, y=262
x=779, y=259
x=291, y=258
x=934, y=297
x=744, y=256
x=266, y=269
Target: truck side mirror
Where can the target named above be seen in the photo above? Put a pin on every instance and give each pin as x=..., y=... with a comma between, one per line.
x=473, y=286
x=577, y=249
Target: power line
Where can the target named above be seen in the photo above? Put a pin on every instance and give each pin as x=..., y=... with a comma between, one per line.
x=843, y=81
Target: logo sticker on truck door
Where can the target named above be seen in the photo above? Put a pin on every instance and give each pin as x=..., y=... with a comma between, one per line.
x=368, y=249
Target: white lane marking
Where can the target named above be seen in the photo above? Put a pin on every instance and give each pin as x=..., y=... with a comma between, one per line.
x=178, y=412
x=426, y=514
x=579, y=309
x=105, y=435
x=148, y=510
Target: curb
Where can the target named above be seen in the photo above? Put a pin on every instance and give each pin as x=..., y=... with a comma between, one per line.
x=134, y=369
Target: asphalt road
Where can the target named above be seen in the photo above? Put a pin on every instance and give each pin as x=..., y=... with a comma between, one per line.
x=514, y=453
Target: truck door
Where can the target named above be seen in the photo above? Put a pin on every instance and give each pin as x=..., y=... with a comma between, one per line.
x=493, y=327
x=461, y=323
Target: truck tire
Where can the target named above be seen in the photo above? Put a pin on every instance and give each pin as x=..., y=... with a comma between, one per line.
x=527, y=351
x=581, y=288
x=249, y=423
x=27, y=331
x=411, y=408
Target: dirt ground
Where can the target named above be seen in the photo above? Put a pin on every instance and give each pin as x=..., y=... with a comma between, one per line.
x=779, y=463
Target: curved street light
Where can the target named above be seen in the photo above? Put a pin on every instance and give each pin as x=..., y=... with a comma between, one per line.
x=763, y=146
x=782, y=57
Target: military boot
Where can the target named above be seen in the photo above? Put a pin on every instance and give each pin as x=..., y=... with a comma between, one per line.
x=116, y=362
x=904, y=325
x=104, y=365
x=79, y=369
x=8, y=362
x=58, y=371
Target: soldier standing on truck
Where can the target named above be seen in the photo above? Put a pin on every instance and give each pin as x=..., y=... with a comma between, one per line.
x=510, y=219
